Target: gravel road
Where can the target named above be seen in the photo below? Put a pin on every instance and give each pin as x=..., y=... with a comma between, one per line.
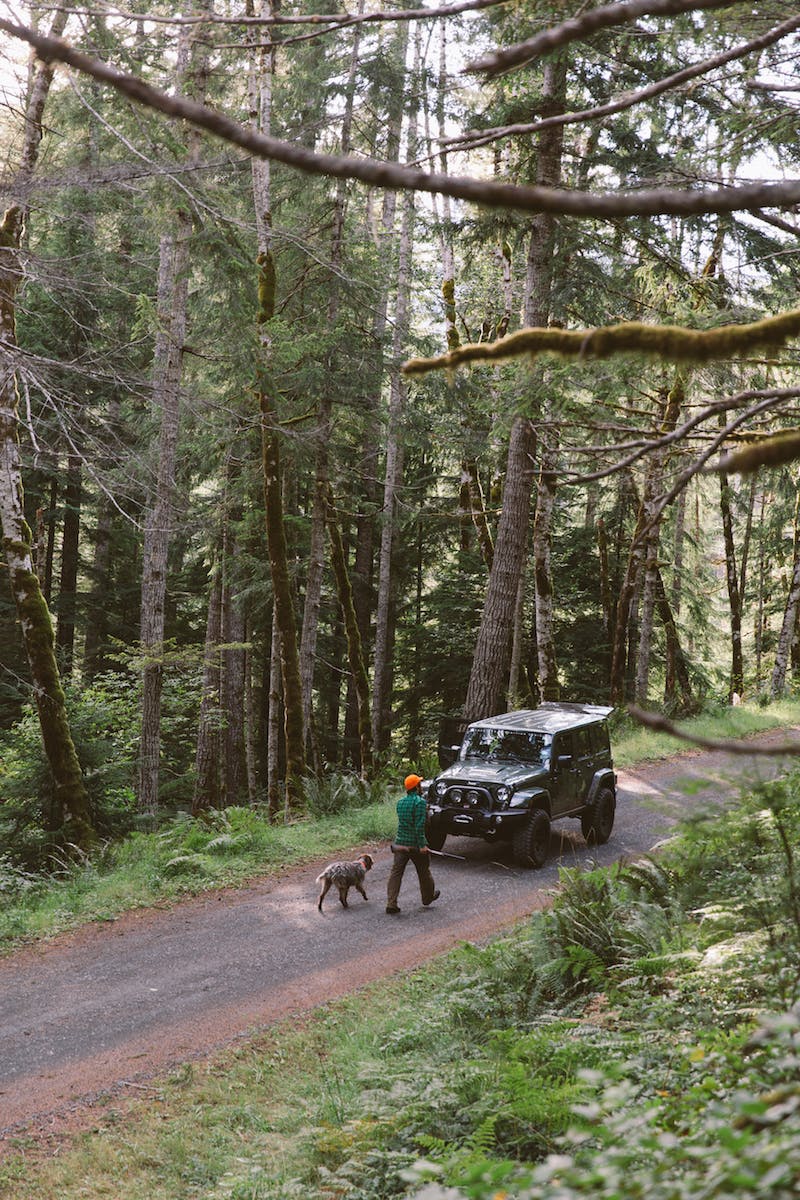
x=116, y=1004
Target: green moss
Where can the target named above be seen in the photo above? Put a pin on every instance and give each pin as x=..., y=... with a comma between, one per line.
x=11, y=227
x=766, y=452
x=672, y=342
x=266, y=287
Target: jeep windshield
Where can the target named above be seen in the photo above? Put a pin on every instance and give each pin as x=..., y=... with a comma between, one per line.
x=511, y=745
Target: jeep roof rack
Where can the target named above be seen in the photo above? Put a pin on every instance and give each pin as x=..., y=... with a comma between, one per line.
x=549, y=717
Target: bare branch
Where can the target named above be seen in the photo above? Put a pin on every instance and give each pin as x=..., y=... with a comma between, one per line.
x=729, y=745
x=470, y=141
x=340, y=20
x=382, y=174
x=769, y=219
x=760, y=86
x=644, y=446
x=580, y=28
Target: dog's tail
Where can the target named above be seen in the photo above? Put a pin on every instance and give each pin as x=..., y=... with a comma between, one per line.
x=320, y=877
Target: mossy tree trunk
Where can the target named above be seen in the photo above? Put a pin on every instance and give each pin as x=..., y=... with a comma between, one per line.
x=70, y=794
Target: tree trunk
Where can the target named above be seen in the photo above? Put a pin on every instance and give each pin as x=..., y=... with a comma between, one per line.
x=232, y=663
x=32, y=611
x=316, y=554
x=68, y=582
x=382, y=677
x=207, y=756
x=539, y=285
x=284, y=614
x=490, y=664
x=276, y=797
x=734, y=595
x=167, y=370
x=542, y=525
x=486, y=691
x=788, y=626
x=366, y=531
x=354, y=651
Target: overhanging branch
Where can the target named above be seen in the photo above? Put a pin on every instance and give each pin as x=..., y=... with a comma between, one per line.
x=378, y=173
x=672, y=342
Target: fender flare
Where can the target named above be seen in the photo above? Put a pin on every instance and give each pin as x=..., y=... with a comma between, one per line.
x=602, y=778
x=534, y=798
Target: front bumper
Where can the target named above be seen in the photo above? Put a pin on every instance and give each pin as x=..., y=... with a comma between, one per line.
x=475, y=822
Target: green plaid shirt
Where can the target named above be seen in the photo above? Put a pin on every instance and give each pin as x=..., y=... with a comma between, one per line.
x=411, y=811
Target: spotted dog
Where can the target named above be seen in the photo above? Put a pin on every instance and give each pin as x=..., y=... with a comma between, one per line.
x=345, y=875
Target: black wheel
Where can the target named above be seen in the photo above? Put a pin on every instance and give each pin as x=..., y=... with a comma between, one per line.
x=435, y=837
x=532, y=842
x=597, y=819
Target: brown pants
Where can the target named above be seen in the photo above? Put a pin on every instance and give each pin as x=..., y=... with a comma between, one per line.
x=421, y=861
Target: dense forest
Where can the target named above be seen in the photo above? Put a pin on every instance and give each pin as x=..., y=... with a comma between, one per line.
x=365, y=372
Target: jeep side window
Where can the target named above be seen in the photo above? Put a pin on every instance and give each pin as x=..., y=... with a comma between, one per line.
x=562, y=747
x=581, y=739
x=600, y=739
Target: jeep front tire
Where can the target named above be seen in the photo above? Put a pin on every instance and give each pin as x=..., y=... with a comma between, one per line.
x=435, y=837
x=597, y=819
x=531, y=843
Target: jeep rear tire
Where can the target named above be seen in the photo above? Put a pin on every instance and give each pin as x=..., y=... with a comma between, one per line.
x=597, y=819
x=531, y=843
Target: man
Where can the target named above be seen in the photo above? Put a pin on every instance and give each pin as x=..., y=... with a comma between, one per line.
x=411, y=844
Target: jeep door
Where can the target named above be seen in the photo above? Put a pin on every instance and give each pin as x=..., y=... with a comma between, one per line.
x=563, y=776
x=584, y=761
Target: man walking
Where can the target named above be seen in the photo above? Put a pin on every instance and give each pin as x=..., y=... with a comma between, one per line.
x=411, y=844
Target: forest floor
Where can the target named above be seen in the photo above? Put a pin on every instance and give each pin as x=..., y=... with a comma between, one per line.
x=106, y=1010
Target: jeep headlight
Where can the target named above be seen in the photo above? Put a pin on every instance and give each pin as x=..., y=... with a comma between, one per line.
x=504, y=794
x=441, y=788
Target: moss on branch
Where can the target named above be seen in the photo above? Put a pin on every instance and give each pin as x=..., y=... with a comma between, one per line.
x=673, y=342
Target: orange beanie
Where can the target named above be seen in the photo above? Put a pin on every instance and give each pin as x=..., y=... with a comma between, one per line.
x=412, y=781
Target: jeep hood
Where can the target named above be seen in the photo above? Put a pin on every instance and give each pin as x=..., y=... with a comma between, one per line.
x=477, y=771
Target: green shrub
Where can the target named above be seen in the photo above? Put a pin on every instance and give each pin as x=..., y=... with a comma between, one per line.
x=103, y=722
x=336, y=792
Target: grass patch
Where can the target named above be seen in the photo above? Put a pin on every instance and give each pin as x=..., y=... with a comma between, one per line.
x=184, y=858
x=632, y=744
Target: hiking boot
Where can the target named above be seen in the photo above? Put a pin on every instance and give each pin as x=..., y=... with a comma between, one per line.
x=435, y=896
x=392, y=908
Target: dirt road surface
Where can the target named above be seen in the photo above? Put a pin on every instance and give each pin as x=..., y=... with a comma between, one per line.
x=113, y=1005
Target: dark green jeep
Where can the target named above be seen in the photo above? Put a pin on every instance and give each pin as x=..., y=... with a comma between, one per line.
x=517, y=772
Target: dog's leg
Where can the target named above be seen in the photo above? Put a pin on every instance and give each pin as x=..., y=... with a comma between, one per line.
x=343, y=890
x=326, y=883
x=363, y=893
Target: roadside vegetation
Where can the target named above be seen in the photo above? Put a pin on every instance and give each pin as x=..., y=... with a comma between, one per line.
x=640, y=1038
x=42, y=893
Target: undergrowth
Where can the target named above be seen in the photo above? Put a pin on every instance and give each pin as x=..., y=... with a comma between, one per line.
x=639, y=1039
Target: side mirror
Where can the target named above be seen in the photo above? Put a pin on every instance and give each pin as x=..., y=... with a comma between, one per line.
x=564, y=760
